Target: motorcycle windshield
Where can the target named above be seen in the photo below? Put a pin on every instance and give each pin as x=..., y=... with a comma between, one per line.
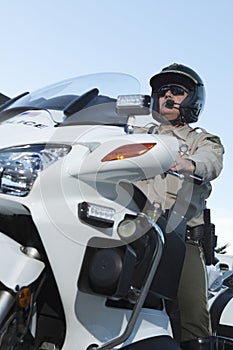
x=88, y=99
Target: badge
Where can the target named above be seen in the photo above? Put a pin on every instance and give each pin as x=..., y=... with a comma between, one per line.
x=184, y=149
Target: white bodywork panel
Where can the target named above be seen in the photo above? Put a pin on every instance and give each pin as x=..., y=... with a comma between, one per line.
x=16, y=268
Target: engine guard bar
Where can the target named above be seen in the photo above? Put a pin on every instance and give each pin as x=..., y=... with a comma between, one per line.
x=141, y=299
x=224, y=341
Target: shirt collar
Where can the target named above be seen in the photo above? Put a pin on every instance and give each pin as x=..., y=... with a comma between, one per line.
x=181, y=132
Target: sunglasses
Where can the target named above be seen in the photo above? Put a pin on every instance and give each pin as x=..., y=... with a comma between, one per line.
x=175, y=90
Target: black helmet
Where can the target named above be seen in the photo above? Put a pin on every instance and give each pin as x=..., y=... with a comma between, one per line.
x=179, y=74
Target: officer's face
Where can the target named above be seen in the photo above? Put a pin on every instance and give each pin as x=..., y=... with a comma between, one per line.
x=171, y=113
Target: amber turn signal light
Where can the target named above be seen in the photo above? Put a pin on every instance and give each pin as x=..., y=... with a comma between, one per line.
x=128, y=151
x=24, y=297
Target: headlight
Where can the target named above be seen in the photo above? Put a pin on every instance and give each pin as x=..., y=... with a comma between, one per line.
x=20, y=166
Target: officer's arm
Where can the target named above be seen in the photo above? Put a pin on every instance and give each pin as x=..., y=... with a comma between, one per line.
x=208, y=158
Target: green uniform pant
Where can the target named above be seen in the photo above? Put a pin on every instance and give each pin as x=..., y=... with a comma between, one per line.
x=192, y=295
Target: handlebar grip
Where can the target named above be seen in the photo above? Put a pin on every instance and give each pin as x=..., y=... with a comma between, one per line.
x=197, y=180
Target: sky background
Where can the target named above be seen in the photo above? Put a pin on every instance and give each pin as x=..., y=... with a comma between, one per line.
x=45, y=41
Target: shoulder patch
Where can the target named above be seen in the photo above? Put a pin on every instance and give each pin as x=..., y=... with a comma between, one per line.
x=214, y=139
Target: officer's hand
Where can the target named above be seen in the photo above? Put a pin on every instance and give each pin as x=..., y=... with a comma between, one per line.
x=183, y=165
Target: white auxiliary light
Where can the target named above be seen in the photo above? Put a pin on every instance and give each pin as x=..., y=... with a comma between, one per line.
x=133, y=105
x=96, y=214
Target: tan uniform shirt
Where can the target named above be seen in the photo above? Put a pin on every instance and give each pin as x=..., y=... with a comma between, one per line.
x=206, y=151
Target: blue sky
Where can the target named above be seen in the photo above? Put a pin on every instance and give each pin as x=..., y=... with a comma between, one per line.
x=50, y=40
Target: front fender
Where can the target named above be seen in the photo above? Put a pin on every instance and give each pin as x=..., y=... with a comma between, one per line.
x=16, y=268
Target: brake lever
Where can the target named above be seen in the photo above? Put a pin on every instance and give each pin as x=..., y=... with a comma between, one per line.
x=197, y=180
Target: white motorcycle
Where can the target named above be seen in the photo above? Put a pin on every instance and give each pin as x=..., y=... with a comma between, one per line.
x=82, y=250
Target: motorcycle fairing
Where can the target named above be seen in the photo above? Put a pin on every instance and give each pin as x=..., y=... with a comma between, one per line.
x=221, y=310
x=98, y=325
x=16, y=268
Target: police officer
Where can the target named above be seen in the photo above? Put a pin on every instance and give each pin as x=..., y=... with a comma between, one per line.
x=178, y=98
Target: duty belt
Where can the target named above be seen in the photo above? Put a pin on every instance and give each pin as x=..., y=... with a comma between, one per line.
x=194, y=234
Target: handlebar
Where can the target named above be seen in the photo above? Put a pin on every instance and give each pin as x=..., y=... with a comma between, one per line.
x=197, y=180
